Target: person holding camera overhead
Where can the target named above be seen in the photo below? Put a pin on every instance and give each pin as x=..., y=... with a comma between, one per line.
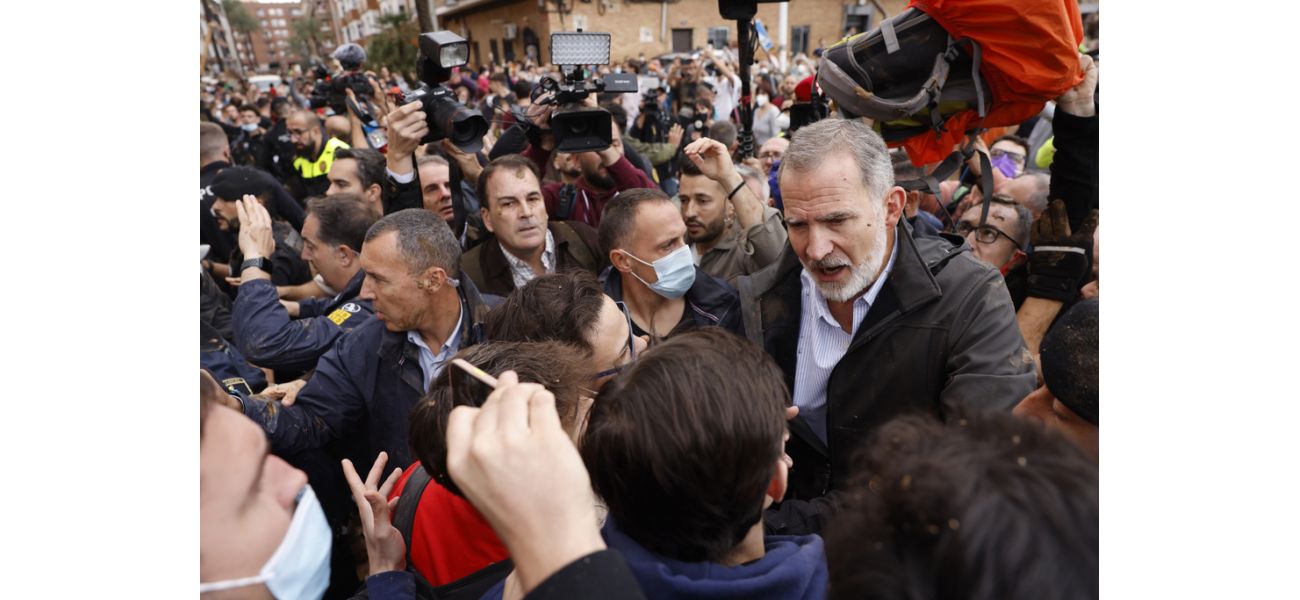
x=605, y=173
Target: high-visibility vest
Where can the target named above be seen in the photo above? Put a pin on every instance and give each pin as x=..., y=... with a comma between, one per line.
x=321, y=166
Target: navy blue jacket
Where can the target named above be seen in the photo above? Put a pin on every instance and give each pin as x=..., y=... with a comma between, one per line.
x=269, y=338
x=709, y=302
x=362, y=393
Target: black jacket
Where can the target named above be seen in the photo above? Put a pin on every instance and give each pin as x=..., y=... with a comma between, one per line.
x=1074, y=167
x=362, y=393
x=709, y=302
x=576, y=247
x=223, y=243
x=941, y=334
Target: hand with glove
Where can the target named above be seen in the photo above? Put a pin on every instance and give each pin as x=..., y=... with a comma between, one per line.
x=1060, y=259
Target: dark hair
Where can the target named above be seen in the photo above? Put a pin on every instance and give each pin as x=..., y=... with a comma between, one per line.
x=683, y=445
x=1070, y=359
x=688, y=167
x=370, y=165
x=522, y=88
x=344, y=219
x=247, y=107
x=618, y=113
x=561, y=307
x=989, y=506
x=619, y=218
x=723, y=131
x=558, y=367
x=903, y=167
x=1015, y=139
x=512, y=163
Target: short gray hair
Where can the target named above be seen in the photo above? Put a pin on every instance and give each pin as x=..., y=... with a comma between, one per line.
x=212, y=140
x=431, y=158
x=813, y=143
x=1042, y=187
x=749, y=173
x=1024, y=219
x=424, y=239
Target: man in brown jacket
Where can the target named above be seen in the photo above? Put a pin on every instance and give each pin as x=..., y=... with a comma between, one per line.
x=524, y=243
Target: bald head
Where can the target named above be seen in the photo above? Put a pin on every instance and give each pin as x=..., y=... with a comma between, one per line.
x=304, y=131
x=338, y=126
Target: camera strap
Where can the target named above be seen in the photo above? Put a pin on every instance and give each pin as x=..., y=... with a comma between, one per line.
x=568, y=197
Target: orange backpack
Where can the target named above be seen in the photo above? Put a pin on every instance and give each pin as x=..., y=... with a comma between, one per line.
x=943, y=68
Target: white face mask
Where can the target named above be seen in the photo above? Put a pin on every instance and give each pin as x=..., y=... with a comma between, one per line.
x=300, y=566
x=249, y=127
x=783, y=121
x=760, y=99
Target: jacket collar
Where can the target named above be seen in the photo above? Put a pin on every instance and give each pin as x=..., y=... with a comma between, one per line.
x=396, y=348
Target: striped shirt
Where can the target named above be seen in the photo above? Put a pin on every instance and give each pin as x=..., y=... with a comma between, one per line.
x=822, y=343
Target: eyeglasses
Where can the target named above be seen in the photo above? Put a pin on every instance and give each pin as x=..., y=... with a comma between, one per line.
x=631, y=346
x=984, y=234
x=771, y=154
x=1016, y=156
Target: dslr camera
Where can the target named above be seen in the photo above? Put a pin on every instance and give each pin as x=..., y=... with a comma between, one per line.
x=579, y=128
x=440, y=52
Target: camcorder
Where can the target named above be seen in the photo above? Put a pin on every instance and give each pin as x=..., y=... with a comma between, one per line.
x=576, y=127
x=331, y=90
x=440, y=52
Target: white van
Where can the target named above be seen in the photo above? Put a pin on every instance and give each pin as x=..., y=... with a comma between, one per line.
x=266, y=82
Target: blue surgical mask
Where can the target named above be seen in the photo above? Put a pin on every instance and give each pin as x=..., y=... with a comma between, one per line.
x=1005, y=164
x=300, y=566
x=676, y=273
x=249, y=127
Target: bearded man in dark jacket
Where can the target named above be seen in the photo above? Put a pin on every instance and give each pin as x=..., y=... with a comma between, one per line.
x=868, y=322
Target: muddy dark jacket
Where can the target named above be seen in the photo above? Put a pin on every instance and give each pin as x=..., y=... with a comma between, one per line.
x=576, y=247
x=941, y=334
x=269, y=338
x=362, y=391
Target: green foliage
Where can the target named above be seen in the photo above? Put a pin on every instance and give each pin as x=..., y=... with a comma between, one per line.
x=240, y=19
x=304, y=40
x=396, y=45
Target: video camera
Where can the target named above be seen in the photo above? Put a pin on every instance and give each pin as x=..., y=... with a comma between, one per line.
x=580, y=128
x=440, y=52
x=331, y=90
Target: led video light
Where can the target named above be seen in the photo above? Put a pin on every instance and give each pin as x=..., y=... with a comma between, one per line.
x=579, y=48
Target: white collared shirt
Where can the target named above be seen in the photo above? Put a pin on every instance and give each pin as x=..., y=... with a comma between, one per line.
x=822, y=343
x=520, y=272
x=430, y=363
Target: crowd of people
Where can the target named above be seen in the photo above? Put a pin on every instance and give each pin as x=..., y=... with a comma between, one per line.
x=669, y=368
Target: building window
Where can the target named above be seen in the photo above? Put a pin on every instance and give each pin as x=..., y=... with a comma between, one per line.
x=261, y=12
x=682, y=40
x=718, y=37
x=799, y=39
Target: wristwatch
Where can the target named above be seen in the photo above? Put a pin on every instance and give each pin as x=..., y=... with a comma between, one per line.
x=260, y=262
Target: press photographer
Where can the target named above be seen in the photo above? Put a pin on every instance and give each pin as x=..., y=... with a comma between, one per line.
x=564, y=117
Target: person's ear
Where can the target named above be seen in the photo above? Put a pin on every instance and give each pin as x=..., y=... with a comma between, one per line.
x=1017, y=258
x=375, y=193
x=894, y=201
x=346, y=255
x=777, y=486
x=620, y=261
x=483, y=214
x=432, y=279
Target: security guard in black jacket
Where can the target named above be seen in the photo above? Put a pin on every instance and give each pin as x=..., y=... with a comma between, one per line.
x=264, y=328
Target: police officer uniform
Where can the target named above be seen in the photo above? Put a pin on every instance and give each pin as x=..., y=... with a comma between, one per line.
x=269, y=338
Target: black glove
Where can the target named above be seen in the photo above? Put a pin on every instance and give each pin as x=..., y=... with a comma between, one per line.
x=1059, y=260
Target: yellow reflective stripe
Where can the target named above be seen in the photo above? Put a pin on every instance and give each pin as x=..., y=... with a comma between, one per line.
x=322, y=165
